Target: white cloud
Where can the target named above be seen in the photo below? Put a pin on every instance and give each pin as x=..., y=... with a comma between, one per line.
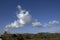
x=13, y=24
x=52, y=23
x=36, y=24
x=19, y=7
x=24, y=18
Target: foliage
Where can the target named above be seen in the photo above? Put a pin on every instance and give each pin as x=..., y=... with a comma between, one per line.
x=39, y=36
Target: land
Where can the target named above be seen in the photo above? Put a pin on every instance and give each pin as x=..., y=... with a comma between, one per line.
x=27, y=36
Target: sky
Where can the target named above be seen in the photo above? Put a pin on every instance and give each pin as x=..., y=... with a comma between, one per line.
x=30, y=16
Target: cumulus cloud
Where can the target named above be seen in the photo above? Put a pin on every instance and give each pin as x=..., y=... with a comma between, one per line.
x=52, y=23
x=13, y=24
x=24, y=18
x=36, y=24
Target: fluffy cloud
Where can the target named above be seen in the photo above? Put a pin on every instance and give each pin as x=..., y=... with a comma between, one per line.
x=24, y=18
x=13, y=24
x=36, y=24
x=52, y=23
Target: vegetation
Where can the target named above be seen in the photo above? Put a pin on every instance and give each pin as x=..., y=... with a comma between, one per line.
x=39, y=36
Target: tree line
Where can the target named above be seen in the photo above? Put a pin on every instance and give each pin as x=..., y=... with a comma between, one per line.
x=26, y=36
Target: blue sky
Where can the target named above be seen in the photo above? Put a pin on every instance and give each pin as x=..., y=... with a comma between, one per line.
x=42, y=10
